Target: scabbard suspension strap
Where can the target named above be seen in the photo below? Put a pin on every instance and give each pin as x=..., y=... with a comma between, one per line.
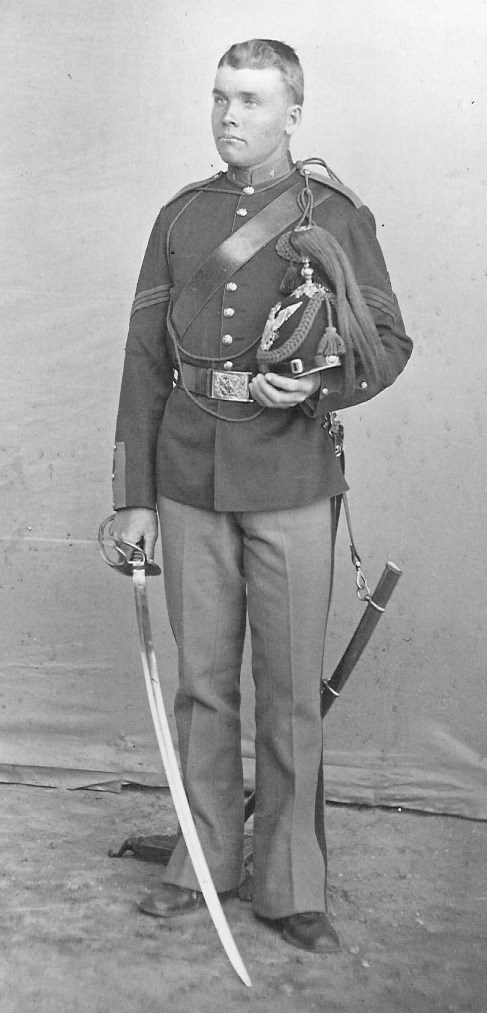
x=363, y=590
x=364, y=594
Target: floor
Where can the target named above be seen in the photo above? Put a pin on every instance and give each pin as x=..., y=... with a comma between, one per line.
x=408, y=897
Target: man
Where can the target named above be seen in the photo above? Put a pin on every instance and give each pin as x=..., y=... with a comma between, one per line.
x=243, y=475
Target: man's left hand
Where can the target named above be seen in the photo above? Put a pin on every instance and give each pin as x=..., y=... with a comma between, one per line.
x=274, y=391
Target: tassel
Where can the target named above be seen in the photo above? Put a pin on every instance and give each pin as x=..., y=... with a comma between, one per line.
x=291, y=280
x=331, y=343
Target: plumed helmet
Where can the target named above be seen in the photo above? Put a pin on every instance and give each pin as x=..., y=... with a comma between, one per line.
x=300, y=335
x=323, y=320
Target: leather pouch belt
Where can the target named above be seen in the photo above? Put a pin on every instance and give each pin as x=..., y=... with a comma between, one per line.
x=219, y=384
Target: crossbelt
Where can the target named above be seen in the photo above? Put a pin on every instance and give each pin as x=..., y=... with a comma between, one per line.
x=238, y=248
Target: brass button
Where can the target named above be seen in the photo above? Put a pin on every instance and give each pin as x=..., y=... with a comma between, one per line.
x=363, y=384
x=231, y=286
x=228, y=364
x=228, y=312
x=324, y=390
x=227, y=339
x=242, y=212
x=248, y=189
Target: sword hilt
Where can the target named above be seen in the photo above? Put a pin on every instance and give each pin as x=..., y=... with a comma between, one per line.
x=127, y=559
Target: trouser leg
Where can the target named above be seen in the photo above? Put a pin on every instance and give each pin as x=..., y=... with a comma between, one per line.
x=288, y=558
x=206, y=601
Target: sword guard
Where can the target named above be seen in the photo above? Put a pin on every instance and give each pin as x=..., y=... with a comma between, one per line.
x=119, y=559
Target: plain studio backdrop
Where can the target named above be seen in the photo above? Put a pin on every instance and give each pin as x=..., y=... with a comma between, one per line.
x=105, y=114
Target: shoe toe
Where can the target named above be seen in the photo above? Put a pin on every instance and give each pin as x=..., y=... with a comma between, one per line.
x=170, y=900
x=311, y=930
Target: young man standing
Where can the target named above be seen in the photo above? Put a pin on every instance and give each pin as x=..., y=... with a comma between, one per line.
x=240, y=469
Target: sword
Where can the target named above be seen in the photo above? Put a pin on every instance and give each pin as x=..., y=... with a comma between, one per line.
x=137, y=565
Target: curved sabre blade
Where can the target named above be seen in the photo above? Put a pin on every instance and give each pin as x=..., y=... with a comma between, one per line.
x=171, y=768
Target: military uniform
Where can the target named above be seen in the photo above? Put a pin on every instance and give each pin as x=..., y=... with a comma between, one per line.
x=246, y=523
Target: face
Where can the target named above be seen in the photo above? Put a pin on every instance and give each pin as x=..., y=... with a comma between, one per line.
x=252, y=117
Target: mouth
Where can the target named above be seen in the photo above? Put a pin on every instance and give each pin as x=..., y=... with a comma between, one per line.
x=230, y=139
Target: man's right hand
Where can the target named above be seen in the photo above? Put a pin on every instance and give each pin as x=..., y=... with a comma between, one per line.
x=135, y=524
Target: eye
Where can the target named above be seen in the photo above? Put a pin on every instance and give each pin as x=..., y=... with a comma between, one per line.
x=250, y=102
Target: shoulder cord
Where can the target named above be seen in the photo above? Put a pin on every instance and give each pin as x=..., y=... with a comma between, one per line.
x=300, y=166
x=205, y=358
x=179, y=348
x=305, y=203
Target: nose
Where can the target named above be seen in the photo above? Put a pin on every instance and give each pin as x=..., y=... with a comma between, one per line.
x=229, y=114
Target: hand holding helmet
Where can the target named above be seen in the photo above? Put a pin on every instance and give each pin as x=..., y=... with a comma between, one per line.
x=273, y=390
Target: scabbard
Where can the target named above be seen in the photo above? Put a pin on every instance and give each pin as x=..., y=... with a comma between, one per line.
x=376, y=606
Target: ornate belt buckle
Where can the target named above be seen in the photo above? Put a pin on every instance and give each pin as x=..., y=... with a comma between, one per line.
x=230, y=386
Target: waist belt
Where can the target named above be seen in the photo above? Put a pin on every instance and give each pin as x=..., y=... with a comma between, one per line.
x=220, y=384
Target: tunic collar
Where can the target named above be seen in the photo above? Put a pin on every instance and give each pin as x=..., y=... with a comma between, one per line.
x=262, y=174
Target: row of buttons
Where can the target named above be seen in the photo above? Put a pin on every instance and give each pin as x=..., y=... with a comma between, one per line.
x=324, y=390
x=227, y=339
x=231, y=286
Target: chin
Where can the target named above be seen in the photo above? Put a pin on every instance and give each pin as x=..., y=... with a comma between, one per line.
x=232, y=158
x=240, y=163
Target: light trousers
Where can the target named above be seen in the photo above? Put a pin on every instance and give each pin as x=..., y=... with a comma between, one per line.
x=276, y=568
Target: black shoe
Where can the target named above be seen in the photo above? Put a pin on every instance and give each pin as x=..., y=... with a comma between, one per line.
x=170, y=900
x=310, y=930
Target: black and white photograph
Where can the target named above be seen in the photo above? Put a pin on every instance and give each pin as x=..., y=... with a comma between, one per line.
x=243, y=593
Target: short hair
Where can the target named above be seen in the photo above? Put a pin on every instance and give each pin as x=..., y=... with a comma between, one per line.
x=263, y=53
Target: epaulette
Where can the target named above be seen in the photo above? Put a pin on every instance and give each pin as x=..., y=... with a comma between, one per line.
x=330, y=180
x=200, y=185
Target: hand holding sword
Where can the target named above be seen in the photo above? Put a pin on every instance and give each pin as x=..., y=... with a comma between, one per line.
x=133, y=559
x=135, y=526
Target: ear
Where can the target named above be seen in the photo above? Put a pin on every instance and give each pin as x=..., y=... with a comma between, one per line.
x=294, y=114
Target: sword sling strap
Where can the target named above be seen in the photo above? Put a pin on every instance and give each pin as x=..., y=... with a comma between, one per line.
x=239, y=248
x=335, y=430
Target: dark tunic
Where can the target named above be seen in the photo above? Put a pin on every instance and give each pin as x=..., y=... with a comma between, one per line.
x=165, y=445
